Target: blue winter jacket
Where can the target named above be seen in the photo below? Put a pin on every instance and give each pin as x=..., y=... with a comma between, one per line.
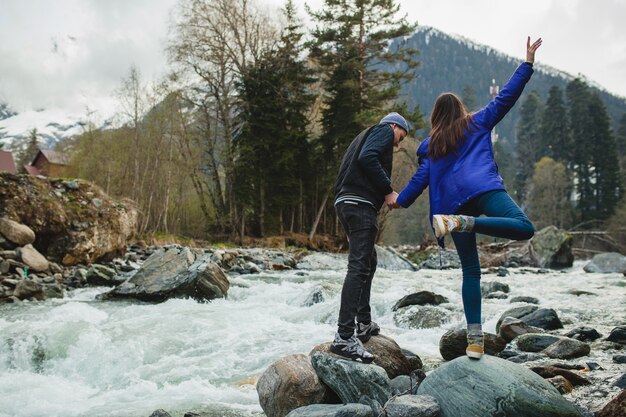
x=471, y=171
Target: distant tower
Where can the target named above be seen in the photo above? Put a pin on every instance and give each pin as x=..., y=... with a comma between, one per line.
x=494, y=90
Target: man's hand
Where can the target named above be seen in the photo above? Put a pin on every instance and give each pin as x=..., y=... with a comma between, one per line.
x=390, y=200
x=530, y=49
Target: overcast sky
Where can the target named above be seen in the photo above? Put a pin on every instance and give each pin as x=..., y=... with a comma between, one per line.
x=73, y=53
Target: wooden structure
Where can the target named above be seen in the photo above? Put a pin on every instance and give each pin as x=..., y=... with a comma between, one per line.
x=7, y=163
x=48, y=163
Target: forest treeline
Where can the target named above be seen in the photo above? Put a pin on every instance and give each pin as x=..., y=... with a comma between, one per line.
x=244, y=135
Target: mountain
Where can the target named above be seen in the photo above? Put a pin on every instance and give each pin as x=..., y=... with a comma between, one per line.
x=452, y=63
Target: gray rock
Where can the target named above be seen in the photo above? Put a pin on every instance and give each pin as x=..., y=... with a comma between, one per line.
x=332, y=410
x=515, y=312
x=619, y=359
x=536, y=342
x=454, y=342
x=174, y=273
x=412, y=406
x=618, y=335
x=53, y=291
x=524, y=299
x=28, y=289
x=288, y=383
x=71, y=185
x=421, y=317
x=499, y=295
x=567, y=348
x=526, y=357
x=611, y=262
x=160, y=413
x=4, y=267
x=442, y=259
x=620, y=382
x=33, y=259
x=511, y=328
x=17, y=233
x=493, y=387
x=9, y=254
x=420, y=298
x=315, y=297
x=100, y=275
x=387, y=355
x=552, y=248
x=584, y=334
x=350, y=379
x=6, y=244
x=391, y=260
x=403, y=384
x=578, y=293
x=488, y=287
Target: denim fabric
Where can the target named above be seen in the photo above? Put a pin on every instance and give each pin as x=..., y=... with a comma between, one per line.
x=505, y=219
x=361, y=227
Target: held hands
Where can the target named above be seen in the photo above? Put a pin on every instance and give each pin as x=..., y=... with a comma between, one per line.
x=390, y=200
x=530, y=49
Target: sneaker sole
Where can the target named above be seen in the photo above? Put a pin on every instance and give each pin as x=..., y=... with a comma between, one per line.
x=473, y=355
x=439, y=226
x=355, y=358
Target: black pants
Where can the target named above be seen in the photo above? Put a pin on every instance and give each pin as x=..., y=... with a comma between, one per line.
x=360, y=224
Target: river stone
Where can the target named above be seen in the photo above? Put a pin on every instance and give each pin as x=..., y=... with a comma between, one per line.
x=618, y=335
x=442, y=259
x=493, y=387
x=391, y=260
x=174, y=273
x=511, y=328
x=526, y=357
x=387, y=355
x=28, y=289
x=488, y=287
x=420, y=298
x=421, y=317
x=33, y=259
x=619, y=359
x=552, y=248
x=404, y=384
x=288, y=383
x=567, y=348
x=548, y=371
x=412, y=406
x=160, y=413
x=499, y=295
x=561, y=384
x=414, y=360
x=332, y=410
x=515, y=312
x=17, y=233
x=584, y=334
x=616, y=407
x=454, y=342
x=52, y=291
x=536, y=342
x=101, y=275
x=4, y=267
x=611, y=262
x=350, y=379
x=524, y=299
x=6, y=244
x=620, y=382
x=545, y=318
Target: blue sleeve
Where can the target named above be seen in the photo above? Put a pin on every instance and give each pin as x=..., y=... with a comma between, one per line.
x=378, y=142
x=417, y=184
x=505, y=100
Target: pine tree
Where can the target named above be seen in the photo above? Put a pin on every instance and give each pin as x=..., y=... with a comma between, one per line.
x=620, y=138
x=529, y=146
x=350, y=44
x=31, y=150
x=468, y=96
x=555, y=127
x=272, y=149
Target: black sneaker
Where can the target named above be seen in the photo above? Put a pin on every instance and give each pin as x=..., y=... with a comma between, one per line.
x=365, y=331
x=351, y=348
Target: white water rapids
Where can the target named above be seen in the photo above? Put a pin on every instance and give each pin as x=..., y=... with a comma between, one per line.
x=82, y=357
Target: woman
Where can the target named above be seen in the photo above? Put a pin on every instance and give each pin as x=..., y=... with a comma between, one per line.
x=457, y=163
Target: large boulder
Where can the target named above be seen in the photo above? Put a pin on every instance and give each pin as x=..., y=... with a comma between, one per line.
x=536, y=342
x=616, y=407
x=332, y=410
x=551, y=247
x=454, y=342
x=74, y=222
x=28, y=289
x=544, y=318
x=353, y=381
x=174, y=273
x=412, y=406
x=618, y=335
x=288, y=383
x=102, y=275
x=33, y=259
x=567, y=348
x=607, y=263
x=493, y=387
x=15, y=232
x=387, y=355
x=421, y=317
x=442, y=259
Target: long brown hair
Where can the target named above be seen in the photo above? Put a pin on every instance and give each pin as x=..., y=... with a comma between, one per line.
x=448, y=121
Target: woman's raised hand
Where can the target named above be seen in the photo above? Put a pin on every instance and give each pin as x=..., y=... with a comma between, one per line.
x=530, y=49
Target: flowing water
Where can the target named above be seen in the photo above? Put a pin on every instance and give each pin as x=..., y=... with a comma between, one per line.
x=82, y=357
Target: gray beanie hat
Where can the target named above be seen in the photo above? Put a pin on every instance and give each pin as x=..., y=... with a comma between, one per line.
x=395, y=118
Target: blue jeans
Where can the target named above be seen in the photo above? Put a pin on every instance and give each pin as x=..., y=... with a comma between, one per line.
x=361, y=225
x=504, y=219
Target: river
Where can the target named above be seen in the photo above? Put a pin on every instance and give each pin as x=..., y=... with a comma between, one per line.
x=81, y=357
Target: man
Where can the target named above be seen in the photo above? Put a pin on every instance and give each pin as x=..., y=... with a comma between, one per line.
x=362, y=186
